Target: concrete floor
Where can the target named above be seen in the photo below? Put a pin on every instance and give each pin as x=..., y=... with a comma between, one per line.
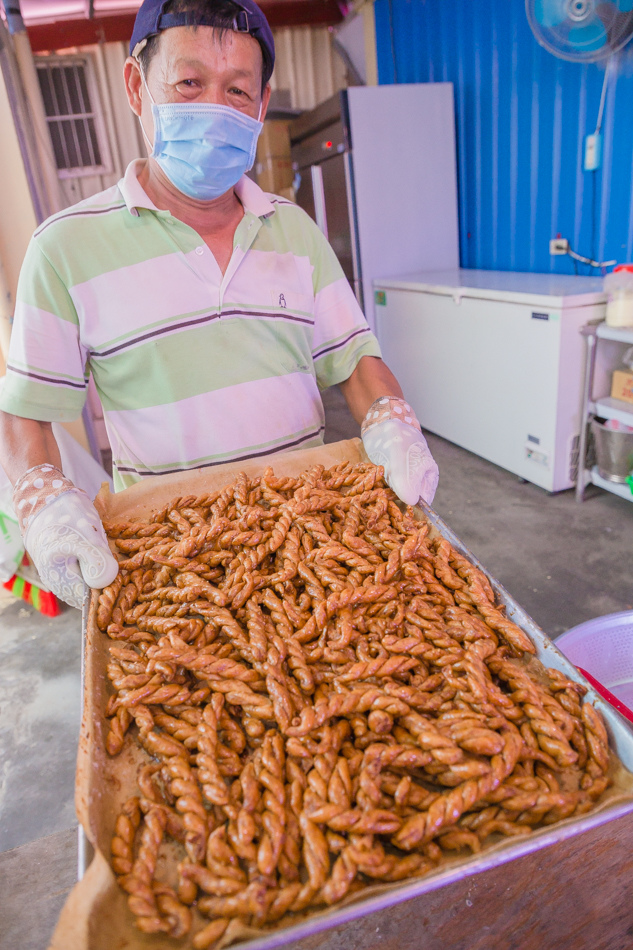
x=36, y=879
x=39, y=720
x=563, y=562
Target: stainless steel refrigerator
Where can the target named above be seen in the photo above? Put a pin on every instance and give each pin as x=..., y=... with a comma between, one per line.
x=376, y=167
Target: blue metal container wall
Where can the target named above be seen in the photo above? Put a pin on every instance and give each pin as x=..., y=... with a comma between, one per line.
x=522, y=115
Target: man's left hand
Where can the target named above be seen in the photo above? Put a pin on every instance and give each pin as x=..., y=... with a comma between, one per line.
x=399, y=446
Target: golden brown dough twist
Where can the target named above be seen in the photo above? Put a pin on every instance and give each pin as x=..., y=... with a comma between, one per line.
x=188, y=800
x=138, y=883
x=123, y=841
x=270, y=774
x=210, y=934
x=209, y=776
x=107, y=599
x=119, y=725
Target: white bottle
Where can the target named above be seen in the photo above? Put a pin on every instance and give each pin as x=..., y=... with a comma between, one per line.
x=619, y=288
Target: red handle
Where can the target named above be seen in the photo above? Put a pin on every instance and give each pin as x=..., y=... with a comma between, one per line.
x=608, y=695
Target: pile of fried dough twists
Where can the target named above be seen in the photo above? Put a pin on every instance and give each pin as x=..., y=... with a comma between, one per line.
x=328, y=699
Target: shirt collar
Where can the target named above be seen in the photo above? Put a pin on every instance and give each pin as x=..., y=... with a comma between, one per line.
x=250, y=194
x=253, y=198
x=131, y=189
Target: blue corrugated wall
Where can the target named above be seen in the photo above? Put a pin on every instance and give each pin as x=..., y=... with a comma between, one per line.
x=522, y=115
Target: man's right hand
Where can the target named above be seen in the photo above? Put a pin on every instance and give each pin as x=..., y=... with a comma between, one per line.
x=63, y=534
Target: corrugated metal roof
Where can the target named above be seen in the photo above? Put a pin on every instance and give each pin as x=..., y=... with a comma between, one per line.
x=47, y=11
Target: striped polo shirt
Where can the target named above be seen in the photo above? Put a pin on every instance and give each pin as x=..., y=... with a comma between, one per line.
x=193, y=367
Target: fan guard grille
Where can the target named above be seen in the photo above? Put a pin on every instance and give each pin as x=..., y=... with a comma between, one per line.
x=581, y=31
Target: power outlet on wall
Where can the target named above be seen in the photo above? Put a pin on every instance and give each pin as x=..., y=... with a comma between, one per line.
x=559, y=246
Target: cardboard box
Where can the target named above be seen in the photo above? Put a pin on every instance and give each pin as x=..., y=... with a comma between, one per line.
x=288, y=193
x=275, y=174
x=274, y=163
x=274, y=140
x=622, y=385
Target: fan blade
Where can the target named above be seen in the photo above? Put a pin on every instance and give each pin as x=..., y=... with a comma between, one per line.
x=550, y=13
x=589, y=37
x=617, y=22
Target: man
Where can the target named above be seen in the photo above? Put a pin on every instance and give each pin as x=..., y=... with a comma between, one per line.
x=209, y=313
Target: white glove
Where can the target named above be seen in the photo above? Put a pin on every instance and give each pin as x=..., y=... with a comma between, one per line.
x=401, y=449
x=68, y=546
x=63, y=534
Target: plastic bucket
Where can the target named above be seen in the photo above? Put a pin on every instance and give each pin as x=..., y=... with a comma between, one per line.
x=604, y=647
x=614, y=452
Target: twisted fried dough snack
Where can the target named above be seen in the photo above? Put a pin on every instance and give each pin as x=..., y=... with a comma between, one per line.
x=328, y=696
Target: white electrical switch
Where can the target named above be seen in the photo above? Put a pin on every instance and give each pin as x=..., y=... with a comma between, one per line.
x=593, y=152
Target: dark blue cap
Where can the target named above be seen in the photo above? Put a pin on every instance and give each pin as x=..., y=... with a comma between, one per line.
x=151, y=20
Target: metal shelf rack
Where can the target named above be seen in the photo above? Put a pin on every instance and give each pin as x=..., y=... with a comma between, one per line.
x=605, y=406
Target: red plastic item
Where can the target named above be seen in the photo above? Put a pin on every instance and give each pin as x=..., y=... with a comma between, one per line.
x=42, y=600
x=623, y=267
x=608, y=695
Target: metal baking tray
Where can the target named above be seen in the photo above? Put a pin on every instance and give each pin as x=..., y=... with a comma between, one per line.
x=620, y=736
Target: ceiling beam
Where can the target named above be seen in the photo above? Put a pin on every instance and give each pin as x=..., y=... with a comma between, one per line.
x=66, y=33
x=301, y=12
x=108, y=29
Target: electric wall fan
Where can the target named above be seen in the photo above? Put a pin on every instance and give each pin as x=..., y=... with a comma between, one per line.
x=583, y=31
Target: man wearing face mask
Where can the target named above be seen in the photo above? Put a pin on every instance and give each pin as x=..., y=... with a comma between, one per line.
x=209, y=313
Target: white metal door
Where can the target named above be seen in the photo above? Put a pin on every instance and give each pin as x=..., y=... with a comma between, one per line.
x=405, y=183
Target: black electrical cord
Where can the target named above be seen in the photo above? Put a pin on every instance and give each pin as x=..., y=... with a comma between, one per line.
x=392, y=37
x=594, y=200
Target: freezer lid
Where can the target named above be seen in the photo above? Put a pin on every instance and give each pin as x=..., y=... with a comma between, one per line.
x=552, y=290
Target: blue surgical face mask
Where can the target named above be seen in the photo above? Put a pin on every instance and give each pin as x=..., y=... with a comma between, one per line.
x=203, y=148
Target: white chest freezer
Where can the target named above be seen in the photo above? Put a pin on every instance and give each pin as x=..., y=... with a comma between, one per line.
x=493, y=361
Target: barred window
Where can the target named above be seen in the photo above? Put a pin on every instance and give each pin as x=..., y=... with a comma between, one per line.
x=70, y=101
